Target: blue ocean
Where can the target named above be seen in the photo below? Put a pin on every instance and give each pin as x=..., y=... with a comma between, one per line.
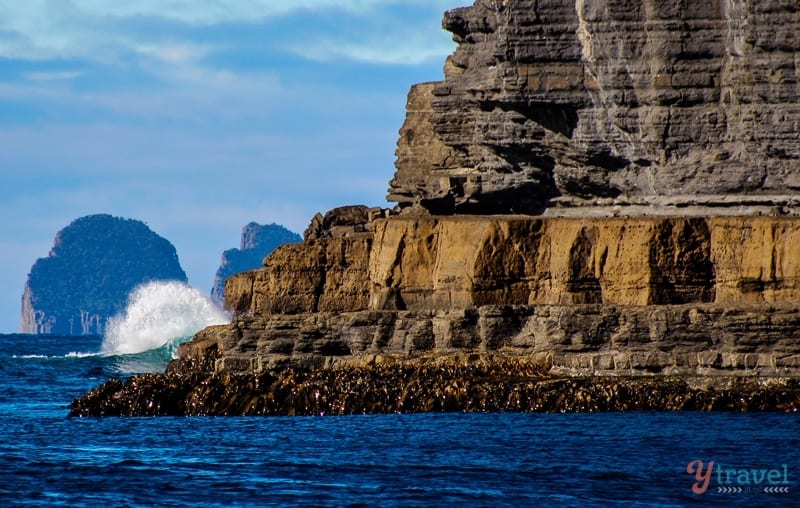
x=636, y=459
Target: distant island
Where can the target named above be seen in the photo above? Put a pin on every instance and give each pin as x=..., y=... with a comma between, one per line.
x=258, y=241
x=94, y=264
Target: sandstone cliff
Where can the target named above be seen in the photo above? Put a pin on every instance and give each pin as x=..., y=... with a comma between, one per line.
x=546, y=102
x=563, y=105
x=460, y=262
x=634, y=294
x=257, y=242
x=94, y=264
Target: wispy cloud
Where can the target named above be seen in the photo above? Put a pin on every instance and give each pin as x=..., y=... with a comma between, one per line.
x=52, y=76
x=96, y=29
x=178, y=53
x=392, y=50
x=208, y=12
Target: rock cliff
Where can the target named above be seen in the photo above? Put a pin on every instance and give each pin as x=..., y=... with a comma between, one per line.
x=596, y=211
x=461, y=262
x=257, y=242
x=94, y=264
x=622, y=101
x=690, y=295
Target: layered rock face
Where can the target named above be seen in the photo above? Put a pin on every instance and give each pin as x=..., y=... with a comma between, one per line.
x=636, y=294
x=683, y=119
x=627, y=101
x=424, y=263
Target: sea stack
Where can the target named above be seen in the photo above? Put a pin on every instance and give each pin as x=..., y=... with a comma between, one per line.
x=94, y=264
x=596, y=209
x=257, y=242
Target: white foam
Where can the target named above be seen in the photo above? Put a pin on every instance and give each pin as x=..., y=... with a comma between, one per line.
x=160, y=313
x=73, y=354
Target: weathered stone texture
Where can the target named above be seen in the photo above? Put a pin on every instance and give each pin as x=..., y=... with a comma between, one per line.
x=625, y=294
x=757, y=260
x=596, y=339
x=317, y=276
x=436, y=263
x=605, y=99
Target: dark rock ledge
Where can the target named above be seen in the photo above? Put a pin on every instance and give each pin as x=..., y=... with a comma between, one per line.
x=469, y=383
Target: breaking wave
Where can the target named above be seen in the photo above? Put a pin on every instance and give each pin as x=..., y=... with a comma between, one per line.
x=160, y=316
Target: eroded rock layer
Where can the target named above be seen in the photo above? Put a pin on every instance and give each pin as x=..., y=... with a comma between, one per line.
x=461, y=262
x=623, y=296
x=705, y=339
x=617, y=99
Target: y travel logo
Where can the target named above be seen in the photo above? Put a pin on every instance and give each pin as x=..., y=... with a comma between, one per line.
x=710, y=476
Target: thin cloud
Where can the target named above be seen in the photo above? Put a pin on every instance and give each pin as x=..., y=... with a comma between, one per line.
x=52, y=76
x=96, y=30
x=411, y=51
x=207, y=12
x=179, y=53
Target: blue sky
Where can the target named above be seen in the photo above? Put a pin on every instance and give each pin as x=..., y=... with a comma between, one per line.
x=199, y=116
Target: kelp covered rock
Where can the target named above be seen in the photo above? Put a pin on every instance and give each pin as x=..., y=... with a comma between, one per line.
x=395, y=385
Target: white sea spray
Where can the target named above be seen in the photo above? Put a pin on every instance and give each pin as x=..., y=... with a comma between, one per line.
x=160, y=314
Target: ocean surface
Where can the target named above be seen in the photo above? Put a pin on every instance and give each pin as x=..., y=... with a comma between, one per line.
x=639, y=459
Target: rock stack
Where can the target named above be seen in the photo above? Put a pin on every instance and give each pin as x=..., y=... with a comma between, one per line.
x=94, y=265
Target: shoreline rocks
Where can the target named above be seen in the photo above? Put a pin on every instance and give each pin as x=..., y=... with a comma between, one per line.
x=474, y=383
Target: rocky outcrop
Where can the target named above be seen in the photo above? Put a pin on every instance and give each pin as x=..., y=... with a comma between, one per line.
x=460, y=262
x=343, y=221
x=323, y=274
x=478, y=383
x=621, y=101
x=715, y=295
x=702, y=339
x=597, y=210
x=94, y=264
x=257, y=242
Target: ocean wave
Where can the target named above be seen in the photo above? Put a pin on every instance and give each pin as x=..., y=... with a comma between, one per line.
x=160, y=315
